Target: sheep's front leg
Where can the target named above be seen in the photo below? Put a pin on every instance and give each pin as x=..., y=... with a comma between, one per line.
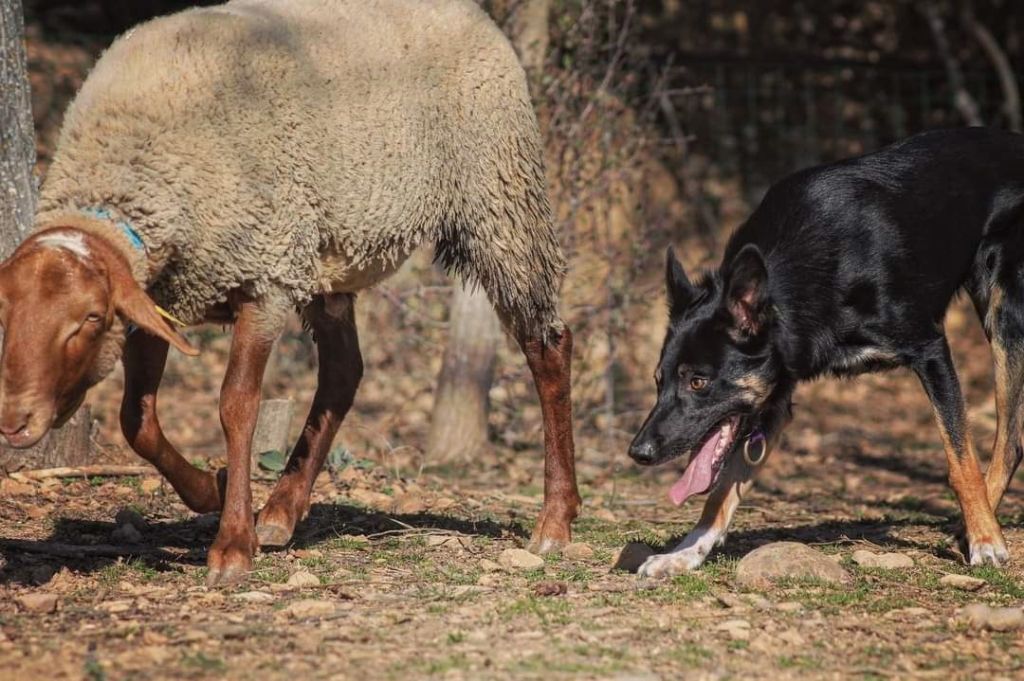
x=230, y=557
x=144, y=359
x=550, y=364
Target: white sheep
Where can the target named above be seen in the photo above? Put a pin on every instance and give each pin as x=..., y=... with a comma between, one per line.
x=239, y=161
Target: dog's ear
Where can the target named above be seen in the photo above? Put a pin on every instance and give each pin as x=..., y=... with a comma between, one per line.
x=680, y=290
x=746, y=288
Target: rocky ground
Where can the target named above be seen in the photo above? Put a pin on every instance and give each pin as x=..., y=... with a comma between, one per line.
x=402, y=572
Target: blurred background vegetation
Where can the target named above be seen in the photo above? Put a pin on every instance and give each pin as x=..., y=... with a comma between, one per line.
x=665, y=121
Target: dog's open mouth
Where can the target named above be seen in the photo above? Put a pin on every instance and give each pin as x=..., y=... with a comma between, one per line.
x=707, y=461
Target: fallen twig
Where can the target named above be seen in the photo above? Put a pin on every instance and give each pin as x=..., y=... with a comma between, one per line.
x=96, y=471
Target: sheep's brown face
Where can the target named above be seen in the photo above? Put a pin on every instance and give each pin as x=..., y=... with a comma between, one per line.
x=62, y=296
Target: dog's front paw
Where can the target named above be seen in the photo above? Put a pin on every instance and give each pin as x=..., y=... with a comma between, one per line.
x=671, y=564
x=992, y=552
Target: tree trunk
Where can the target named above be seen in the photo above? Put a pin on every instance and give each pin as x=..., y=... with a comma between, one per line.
x=17, y=135
x=962, y=99
x=458, y=425
x=1001, y=63
x=69, y=446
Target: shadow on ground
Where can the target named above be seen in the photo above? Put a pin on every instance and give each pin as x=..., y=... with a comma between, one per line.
x=81, y=545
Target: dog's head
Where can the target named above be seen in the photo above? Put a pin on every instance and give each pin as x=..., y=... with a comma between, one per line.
x=717, y=374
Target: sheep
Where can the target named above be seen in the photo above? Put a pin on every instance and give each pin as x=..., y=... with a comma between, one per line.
x=236, y=162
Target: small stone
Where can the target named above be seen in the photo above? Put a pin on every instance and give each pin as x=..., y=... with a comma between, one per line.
x=551, y=588
x=604, y=514
x=303, y=579
x=303, y=554
x=488, y=565
x=13, y=488
x=787, y=560
x=578, y=551
x=41, y=574
x=448, y=541
x=309, y=608
x=732, y=601
x=981, y=616
x=632, y=556
x=519, y=559
x=488, y=579
x=963, y=582
x=257, y=597
x=374, y=500
x=126, y=534
x=738, y=630
x=790, y=606
x=127, y=516
x=150, y=485
x=885, y=561
x=115, y=606
x=410, y=503
x=38, y=602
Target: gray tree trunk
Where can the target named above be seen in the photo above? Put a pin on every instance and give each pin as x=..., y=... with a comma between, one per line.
x=17, y=135
x=458, y=427
x=71, y=445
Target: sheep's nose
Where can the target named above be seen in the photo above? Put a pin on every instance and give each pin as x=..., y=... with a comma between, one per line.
x=643, y=451
x=13, y=427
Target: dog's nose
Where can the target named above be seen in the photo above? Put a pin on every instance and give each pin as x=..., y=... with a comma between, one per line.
x=643, y=452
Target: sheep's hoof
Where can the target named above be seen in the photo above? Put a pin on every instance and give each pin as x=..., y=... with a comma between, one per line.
x=273, y=535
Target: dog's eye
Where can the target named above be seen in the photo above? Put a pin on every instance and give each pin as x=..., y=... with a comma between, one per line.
x=698, y=383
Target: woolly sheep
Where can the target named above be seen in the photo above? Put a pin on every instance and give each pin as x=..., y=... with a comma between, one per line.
x=276, y=154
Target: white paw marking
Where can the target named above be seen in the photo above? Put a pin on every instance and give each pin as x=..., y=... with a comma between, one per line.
x=989, y=554
x=688, y=556
x=69, y=241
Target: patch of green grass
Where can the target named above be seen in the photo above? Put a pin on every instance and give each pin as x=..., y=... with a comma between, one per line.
x=738, y=645
x=686, y=586
x=691, y=654
x=455, y=637
x=550, y=611
x=204, y=662
x=999, y=580
x=93, y=671
x=134, y=569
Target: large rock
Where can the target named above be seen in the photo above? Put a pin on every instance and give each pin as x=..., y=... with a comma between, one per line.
x=788, y=560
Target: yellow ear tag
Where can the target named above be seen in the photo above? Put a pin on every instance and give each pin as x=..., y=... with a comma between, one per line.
x=168, y=316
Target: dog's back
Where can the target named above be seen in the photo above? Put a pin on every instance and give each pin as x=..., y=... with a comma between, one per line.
x=878, y=245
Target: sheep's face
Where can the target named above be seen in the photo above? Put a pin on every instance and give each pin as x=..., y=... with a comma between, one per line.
x=64, y=296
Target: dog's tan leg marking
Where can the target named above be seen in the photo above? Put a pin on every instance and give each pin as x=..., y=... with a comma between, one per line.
x=1008, y=360
x=690, y=554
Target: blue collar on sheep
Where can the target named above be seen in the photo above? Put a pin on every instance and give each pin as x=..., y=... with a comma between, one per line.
x=104, y=214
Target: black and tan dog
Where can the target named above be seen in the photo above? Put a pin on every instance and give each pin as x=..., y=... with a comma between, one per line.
x=844, y=269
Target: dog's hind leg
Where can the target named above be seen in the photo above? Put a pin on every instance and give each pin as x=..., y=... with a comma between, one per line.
x=985, y=542
x=711, y=529
x=1004, y=324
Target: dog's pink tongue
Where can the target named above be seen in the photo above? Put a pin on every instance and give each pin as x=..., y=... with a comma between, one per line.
x=697, y=478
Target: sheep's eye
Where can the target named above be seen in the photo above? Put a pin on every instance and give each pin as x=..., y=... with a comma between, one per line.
x=94, y=317
x=698, y=383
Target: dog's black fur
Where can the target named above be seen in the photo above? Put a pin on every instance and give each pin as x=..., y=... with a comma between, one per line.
x=847, y=268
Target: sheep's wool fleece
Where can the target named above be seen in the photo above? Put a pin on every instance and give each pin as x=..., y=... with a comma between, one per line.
x=294, y=147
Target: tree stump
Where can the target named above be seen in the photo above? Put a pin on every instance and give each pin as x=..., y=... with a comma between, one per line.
x=68, y=446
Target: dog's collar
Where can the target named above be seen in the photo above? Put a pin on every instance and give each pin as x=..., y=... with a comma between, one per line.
x=125, y=226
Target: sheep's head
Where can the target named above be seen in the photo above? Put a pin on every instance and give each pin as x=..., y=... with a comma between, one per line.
x=65, y=297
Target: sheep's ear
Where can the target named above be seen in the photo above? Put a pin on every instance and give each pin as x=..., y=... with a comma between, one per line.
x=131, y=302
x=746, y=288
x=680, y=290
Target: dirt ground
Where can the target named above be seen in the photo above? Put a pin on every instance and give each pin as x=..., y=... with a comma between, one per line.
x=406, y=587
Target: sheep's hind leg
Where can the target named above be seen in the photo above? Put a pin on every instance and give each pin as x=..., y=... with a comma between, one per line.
x=144, y=359
x=333, y=323
x=550, y=362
